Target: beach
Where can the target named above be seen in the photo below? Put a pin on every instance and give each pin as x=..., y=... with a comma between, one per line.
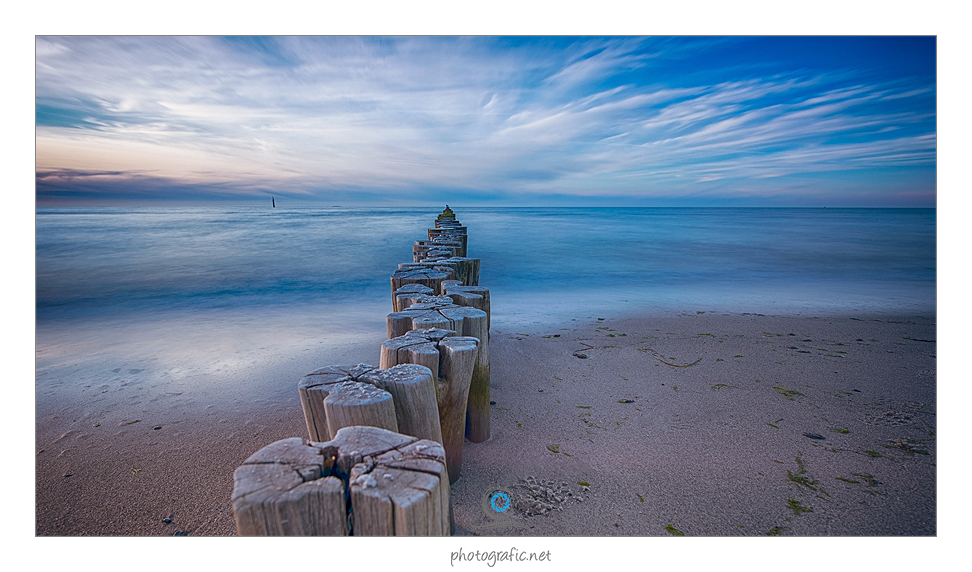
x=707, y=372
x=699, y=423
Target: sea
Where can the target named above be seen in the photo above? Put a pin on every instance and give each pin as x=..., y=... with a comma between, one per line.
x=222, y=292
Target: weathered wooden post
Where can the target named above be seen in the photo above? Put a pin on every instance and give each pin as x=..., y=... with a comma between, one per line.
x=446, y=226
x=397, y=485
x=451, y=360
x=286, y=489
x=406, y=301
x=354, y=403
x=465, y=321
x=408, y=290
x=315, y=387
x=427, y=277
x=465, y=270
x=402, y=398
x=423, y=249
x=403, y=491
x=413, y=388
x=472, y=296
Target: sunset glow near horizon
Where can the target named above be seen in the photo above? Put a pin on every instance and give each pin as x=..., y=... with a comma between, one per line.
x=555, y=121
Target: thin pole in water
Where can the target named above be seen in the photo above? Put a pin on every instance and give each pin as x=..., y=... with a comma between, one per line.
x=273, y=202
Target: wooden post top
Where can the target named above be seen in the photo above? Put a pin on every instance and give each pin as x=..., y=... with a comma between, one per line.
x=447, y=213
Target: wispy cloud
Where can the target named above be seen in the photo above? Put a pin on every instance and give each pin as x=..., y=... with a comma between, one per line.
x=620, y=117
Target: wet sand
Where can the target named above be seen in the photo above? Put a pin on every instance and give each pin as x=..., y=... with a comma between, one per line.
x=703, y=424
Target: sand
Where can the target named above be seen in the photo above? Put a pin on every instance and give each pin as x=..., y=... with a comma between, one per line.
x=703, y=424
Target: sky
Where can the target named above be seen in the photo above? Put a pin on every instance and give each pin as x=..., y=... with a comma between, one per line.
x=486, y=120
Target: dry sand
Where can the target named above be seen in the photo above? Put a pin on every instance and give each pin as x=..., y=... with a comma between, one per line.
x=702, y=424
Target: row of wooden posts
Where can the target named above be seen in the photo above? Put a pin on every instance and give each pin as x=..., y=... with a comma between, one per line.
x=386, y=442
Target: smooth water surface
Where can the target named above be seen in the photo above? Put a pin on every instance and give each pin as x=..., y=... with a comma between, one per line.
x=138, y=261
x=217, y=297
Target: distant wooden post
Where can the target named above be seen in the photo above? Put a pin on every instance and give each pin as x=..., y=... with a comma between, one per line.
x=397, y=485
x=451, y=360
x=401, y=398
x=465, y=321
x=447, y=227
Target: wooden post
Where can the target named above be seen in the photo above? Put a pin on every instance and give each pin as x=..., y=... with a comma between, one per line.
x=466, y=322
x=326, y=391
x=451, y=360
x=434, y=315
x=396, y=483
x=446, y=226
x=408, y=300
x=451, y=233
x=402, y=504
x=354, y=403
x=405, y=493
x=286, y=489
x=465, y=270
x=431, y=278
x=314, y=388
x=477, y=411
x=408, y=290
x=472, y=296
x=413, y=389
x=440, y=247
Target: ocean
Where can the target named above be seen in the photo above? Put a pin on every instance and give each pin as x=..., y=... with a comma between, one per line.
x=213, y=292
x=150, y=261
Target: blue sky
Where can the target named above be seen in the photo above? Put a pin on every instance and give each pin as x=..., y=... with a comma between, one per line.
x=643, y=121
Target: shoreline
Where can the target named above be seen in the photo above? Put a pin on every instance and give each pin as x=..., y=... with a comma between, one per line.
x=698, y=459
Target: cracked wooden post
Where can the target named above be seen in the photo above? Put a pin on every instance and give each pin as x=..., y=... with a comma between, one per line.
x=411, y=388
x=451, y=360
x=314, y=388
x=441, y=313
x=465, y=270
x=403, y=491
x=396, y=485
x=354, y=403
x=438, y=248
x=286, y=489
x=465, y=321
x=472, y=296
x=409, y=300
x=408, y=290
x=426, y=277
x=451, y=234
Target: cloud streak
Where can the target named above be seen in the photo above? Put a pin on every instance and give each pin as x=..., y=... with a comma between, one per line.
x=522, y=118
